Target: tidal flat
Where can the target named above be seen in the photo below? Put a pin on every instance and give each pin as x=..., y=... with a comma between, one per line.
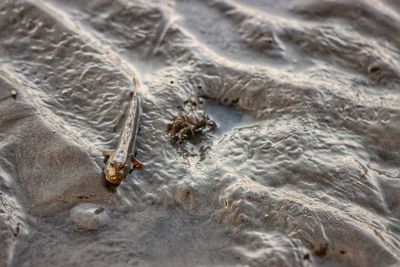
x=302, y=169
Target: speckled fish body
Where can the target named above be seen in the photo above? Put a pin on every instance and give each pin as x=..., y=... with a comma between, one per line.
x=119, y=163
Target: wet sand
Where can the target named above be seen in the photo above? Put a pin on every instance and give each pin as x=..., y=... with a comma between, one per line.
x=303, y=169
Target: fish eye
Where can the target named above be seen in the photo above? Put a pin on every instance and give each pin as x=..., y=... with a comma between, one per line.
x=117, y=165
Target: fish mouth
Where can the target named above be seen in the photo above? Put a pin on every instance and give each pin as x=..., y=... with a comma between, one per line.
x=113, y=179
x=114, y=173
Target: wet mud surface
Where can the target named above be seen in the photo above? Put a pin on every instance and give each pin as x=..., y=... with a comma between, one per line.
x=302, y=170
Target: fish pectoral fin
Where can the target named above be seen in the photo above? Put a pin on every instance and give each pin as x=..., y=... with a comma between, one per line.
x=107, y=152
x=136, y=163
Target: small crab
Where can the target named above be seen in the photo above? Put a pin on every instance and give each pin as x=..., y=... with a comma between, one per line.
x=196, y=120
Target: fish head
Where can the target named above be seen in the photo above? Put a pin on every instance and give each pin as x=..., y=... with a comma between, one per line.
x=116, y=171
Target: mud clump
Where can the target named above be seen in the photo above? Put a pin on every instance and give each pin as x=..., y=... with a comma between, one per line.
x=89, y=216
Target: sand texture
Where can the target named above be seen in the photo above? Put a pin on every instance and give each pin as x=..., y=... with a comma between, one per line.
x=303, y=169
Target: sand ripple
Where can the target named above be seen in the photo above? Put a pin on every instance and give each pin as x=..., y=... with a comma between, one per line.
x=303, y=170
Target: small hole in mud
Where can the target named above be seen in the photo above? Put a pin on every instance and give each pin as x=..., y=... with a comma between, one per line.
x=187, y=194
x=322, y=250
x=199, y=87
x=99, y=210
x=342, y=252
x=171, y=82
x=373, y=69
x=16, y=231
x=306, y=257
x=235, y=101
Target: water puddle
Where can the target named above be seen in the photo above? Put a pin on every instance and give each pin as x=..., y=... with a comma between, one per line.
x=226, y=117
x=196, y=147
